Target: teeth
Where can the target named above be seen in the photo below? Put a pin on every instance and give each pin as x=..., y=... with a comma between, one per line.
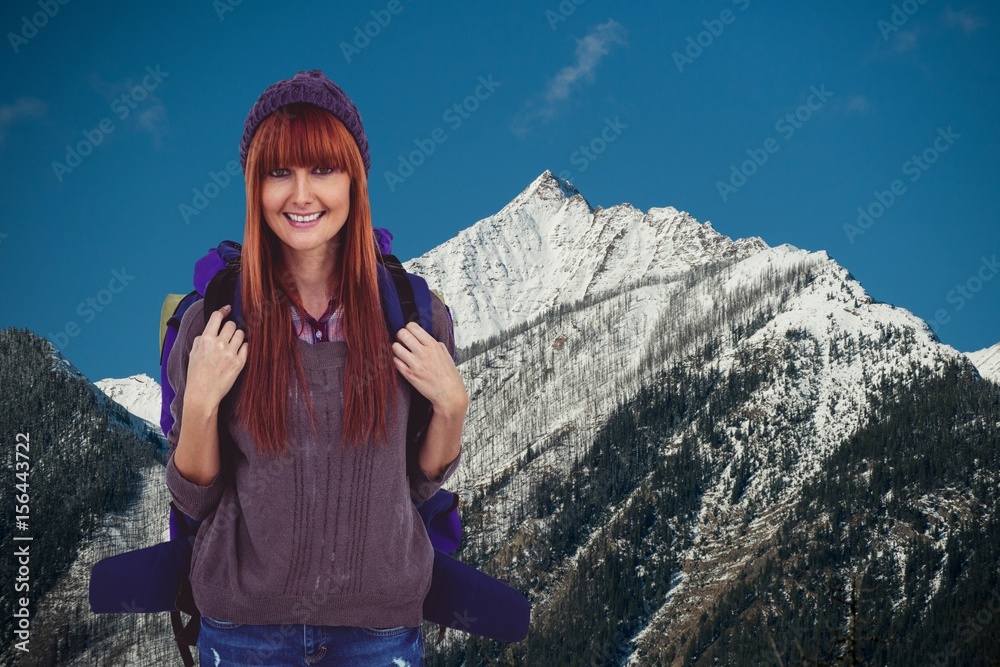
x=304, y=218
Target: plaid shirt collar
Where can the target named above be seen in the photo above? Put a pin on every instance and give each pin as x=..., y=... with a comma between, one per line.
x=311, y=330
x=317, y=331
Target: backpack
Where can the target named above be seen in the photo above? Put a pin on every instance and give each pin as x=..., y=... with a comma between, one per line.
x=155, y=579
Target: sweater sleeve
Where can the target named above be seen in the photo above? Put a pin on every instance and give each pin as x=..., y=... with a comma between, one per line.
x=193, y=499
x=422, y=486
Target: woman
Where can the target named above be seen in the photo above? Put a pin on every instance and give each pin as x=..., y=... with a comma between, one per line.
x=311, y=550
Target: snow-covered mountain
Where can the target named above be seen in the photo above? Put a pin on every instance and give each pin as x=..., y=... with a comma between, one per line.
x=550, y=246
x=139, y=394
x=592, y=307
x=987, y=361
x=662, y=285
x=94, y=479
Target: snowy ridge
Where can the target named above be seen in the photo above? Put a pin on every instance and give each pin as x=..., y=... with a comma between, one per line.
x=549, y=246
x=987, y=362
x=874, y=341
x=62, y=364
x=608, y=340
x=139, y=394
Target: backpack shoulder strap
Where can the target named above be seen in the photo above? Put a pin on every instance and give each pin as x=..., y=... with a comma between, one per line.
x=405, y=296
x=223, y=286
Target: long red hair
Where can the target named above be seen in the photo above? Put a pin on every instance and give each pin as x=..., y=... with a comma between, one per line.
x=303, y=135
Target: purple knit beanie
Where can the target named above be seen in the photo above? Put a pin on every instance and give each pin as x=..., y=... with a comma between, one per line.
x=312, y=87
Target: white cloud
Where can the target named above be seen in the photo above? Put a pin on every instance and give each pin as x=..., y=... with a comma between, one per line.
x=146, y=111
x=153, y=119
x=906, y=40
x=23, y=107
x=858, y=103
x=589, y=52
x=964, y=20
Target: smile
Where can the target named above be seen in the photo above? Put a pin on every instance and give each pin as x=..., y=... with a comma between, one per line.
x=304, y=220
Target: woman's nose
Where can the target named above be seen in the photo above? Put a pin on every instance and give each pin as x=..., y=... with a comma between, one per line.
x=302, y=192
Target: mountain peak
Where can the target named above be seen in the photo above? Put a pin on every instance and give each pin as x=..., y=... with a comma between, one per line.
x=549, y=181
x=549, y=246
x=549, y=188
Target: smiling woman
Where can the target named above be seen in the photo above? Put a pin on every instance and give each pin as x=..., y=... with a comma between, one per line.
x=309, y=530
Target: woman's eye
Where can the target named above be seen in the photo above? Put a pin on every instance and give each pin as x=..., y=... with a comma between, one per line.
x=277, y=173
x=325, y=170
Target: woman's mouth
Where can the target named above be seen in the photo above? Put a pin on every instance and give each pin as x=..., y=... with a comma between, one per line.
x=304, y=220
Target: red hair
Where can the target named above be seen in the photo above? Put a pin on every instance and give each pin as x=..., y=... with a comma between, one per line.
x=304, y=135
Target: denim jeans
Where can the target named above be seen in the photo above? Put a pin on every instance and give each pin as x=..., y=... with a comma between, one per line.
x=228, y=644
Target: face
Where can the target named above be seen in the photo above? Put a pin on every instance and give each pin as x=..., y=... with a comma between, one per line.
x=306, y=207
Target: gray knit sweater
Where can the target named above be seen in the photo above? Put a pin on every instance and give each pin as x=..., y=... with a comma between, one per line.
x=322, y=535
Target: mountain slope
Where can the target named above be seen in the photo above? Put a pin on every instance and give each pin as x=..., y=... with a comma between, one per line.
x=900, y=534
x=987, y=361
x=549, y=246
x=139, y=394
x=793, y=324
x=82, y=473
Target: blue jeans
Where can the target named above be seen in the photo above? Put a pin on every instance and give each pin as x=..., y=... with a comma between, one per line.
x=228, y=644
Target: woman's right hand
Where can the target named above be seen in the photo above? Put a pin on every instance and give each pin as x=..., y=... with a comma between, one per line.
x=217, y=357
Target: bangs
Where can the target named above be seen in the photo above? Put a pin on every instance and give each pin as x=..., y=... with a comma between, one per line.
x=301, y=135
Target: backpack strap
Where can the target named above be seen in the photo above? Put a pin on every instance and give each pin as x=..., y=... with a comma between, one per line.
x=405, y=296
x=222, y=287
x=185, y=635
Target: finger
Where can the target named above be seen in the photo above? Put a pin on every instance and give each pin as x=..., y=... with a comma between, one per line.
x=227, y=330
x=417, y=332
x=403, y=353
x=407, y=338
x=238, y=336
x=212, y=326
x=403, y=369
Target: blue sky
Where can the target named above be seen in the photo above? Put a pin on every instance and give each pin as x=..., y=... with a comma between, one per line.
x=778, y=120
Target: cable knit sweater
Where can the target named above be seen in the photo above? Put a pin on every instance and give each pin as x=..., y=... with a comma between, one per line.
x=322, y=535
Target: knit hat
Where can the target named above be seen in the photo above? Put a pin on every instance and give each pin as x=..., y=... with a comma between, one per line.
x=312, y=87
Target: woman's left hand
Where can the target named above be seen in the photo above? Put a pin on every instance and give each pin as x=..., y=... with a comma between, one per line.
x=427, y=365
